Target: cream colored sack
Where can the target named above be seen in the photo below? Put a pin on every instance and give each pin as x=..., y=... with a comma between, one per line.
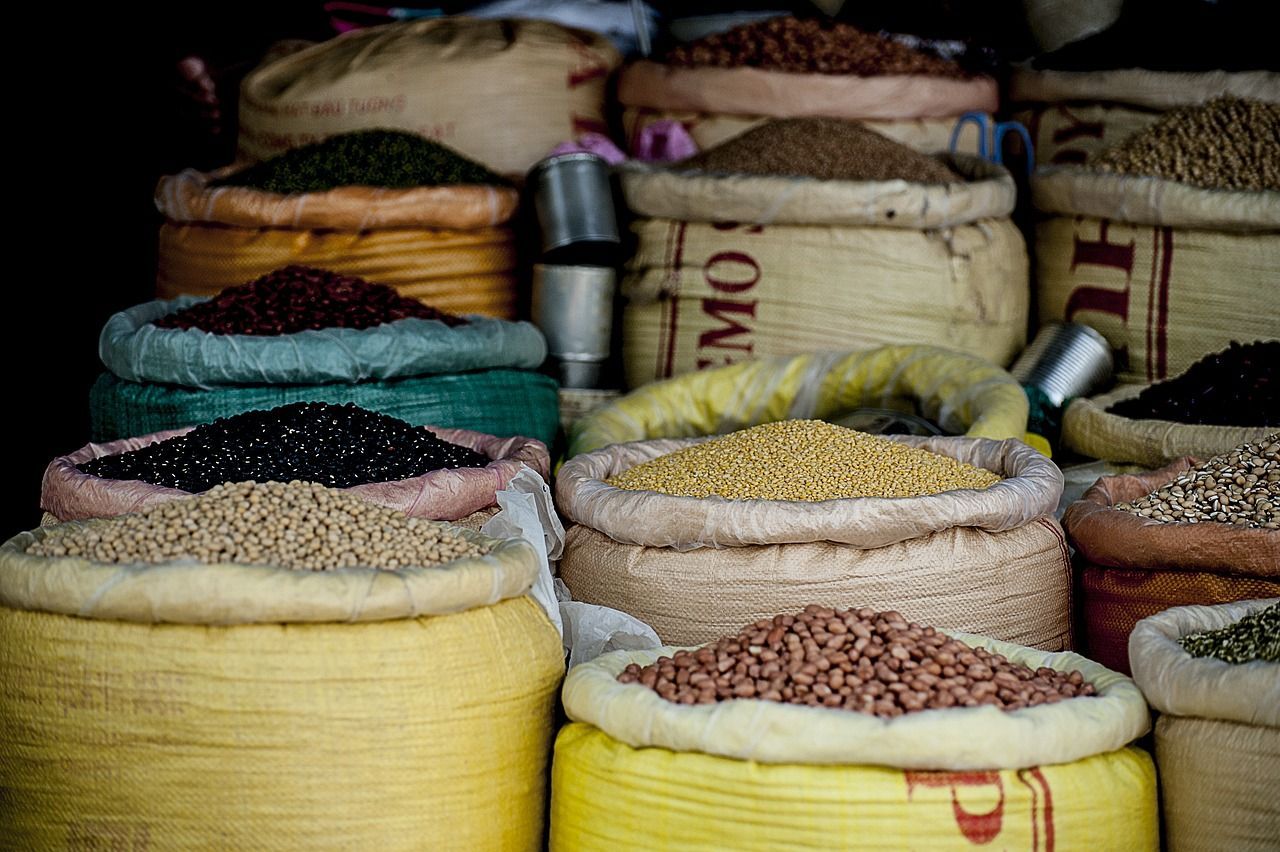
x=993, y=561
x=504, y=92
x=1218, y=738
x=1088, y=429
x=1167, y=272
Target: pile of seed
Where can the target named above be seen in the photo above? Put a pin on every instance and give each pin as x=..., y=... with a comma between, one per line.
x=386, y=158
x=809, y=47
x=802, y=460
x=335, y=445
x=297, y=525
x=1227, y=143
x=823, y=148
x=300, y=298
x=857, y=659
x=1240, y=487
x=1239, y=386
x=1254, y=637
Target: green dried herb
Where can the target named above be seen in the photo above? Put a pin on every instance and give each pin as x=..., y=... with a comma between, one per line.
x=385, y=158
x=1254, y=637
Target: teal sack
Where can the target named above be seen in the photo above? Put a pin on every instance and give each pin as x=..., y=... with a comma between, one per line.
x=496, y=402
x=133, y=348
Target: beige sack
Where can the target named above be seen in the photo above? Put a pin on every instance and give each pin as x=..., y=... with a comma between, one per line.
x=1218, y=740
x=701, y=295
x=991, y=562
x=1088, y=429
x=504, y=92
x=1167, y=272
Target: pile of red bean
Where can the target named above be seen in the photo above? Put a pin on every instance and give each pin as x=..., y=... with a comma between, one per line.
x=299, y=298
x=858, y=659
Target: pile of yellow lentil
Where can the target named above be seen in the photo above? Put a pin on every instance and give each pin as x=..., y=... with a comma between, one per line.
x=805, y=460
x=299, y=525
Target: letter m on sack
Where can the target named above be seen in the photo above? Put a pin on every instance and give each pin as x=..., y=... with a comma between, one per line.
x=1093, y=258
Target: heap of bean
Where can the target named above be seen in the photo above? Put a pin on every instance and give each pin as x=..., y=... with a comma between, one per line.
x=1227, y=143
x=394, y=159
x=1240, y=487
x=1254, y=637
x=296, y=525
x=802, y=460
x=335, y=445
x=856, y=659
x=809, y=46
x=1239, y=386
x=822, y=148
x=299, y=298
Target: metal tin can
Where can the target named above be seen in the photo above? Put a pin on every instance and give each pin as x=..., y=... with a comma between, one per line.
x=573, y=305
x=573, y=200
x=1065, y=360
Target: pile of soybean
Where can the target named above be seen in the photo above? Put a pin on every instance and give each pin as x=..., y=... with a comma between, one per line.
x=301, y=298
x=1254, y=637
x=335, y=445
x=806, y=460
x=297, y=525
x=822, y=148
x=1239, y=386
x=393, y=159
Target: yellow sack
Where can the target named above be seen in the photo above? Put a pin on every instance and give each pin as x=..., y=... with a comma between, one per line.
x=639, y=772
x=239, y=707
x=463, y=272
x=962, y=393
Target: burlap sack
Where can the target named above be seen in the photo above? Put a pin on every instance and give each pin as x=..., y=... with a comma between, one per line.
x=1088, y=429
x=1218, y=738
x=1074, y=115
x=1132, y=567
x=990, y=561
x=442, y=495
x=504, y=92
x=1167, y=272
x=702, y=295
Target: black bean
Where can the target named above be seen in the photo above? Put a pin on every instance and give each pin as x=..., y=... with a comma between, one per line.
x=1239, y=386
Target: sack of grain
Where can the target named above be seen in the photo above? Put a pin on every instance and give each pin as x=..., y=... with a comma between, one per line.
x=203, y=705
x=446, y=245
x=993, y=561
x=135, y=349
x=1074, y=115
x=445, y=495
x=1218, y=733
x=495, y=402
x=733, y=267
x=1166, y=270
x=635, y=770
x=1132, y=567
x=960, y=392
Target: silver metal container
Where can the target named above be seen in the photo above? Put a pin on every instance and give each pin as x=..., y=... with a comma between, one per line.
x=573, y=305
x=1065, y=360
x=573, y=200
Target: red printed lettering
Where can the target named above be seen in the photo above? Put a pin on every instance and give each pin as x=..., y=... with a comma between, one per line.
x=721, y=338
x=977, y=828
x=719, y=271
x=1101, y=252
x=1077, y=129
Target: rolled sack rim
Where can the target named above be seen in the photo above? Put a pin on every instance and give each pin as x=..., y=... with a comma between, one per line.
x=1139, y=87
x=966, y=738
x=1030, y=489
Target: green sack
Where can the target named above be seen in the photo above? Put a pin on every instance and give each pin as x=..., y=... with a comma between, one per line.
x=134, y=349
x=496, y=402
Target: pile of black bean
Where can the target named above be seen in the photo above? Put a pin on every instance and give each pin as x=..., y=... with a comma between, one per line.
x=335, y=445
x=1239, y=386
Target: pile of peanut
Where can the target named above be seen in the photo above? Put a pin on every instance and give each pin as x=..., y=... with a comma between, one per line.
x=297, y=525
x=858, y=659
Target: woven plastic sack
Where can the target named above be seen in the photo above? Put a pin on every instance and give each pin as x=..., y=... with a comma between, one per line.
x=1088, y=429
x=959, y=392
x=635, y=771
x=1141, y=259
x=133, y=348
x=495, y=402
x=233, y=693
x=1132, y=567
x=504, y=92
x=461, y=272
x=442, y=495
x=992, y=560
x=1218, y=735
